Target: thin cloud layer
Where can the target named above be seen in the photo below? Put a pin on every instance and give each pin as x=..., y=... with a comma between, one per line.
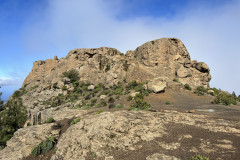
x=9, y=81
x=210, y=34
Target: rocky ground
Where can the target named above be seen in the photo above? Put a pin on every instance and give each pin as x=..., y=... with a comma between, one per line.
x=169, y=133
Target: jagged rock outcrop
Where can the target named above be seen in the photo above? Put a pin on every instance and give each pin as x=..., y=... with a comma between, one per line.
x=165, y=58
x=157, y=62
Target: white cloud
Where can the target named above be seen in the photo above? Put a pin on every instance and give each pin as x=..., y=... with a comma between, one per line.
x=210, y=34
x=9, y=81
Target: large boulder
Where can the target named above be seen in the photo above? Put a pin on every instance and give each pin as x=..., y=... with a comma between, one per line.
x=157, y=85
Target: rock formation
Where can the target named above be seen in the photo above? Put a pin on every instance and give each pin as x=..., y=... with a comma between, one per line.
x=157, y=62
x=165, y=59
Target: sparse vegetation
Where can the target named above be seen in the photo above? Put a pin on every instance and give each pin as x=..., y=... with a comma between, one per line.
x=111, y=100
x=225, y=99
x=75, y=121
x=200, y=91
x=34, y=87
x=199, y=157
x=44, y=146
x=72, y=74
x=50, y=120
x=139, y=103
x=64, y=88
x=119, y=106
x=129, y=98
x=187, y=86
x=100, y=111
x=175, y=80
x=167, y=102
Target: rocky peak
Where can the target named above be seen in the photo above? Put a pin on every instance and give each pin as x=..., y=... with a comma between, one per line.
x=167, y=58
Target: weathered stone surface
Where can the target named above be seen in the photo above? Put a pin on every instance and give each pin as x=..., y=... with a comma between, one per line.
x=158, y=156
x=91, y=87
x=25, y=139
x=157, y=85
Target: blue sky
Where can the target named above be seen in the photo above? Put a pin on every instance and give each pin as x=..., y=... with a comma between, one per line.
x=31, y=30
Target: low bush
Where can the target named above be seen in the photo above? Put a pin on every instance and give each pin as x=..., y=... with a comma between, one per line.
x=93, y=101
x=44, y=146
x=75, y=121
x=132, y=85
x=200, y=91
x=129, y=98
x=167, y=102
x=187, y=86
x=100, y=111
x=64, y=88
x=50, y=120
x=111, y=100
x=199, y=157
x=139, y=103
x=103, y=103
x=111, y=105
x=72, y=74
x=225, y=99
x=119, y=106
x=175, y=80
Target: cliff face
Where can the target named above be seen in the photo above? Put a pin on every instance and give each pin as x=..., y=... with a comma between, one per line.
x=165, y=58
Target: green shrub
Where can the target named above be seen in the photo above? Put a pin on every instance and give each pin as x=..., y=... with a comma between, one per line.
x=111, y=100
x=129, y=98
x=100, y=111
x=13, y=116
x=200, y=90
x=96, y=90
x=64, y=88
x=88, y=95
x=105, y=92
x=117, y=97
x=75, y=84
x=132, y=85
x=75, y=121
x=34, y=87
x=175, y=80
x=167, y=102
x=72, y=74
x=50, y=120
x=225, y=99
x=111, y=105
x=103, y=103
x=44, y=146
x=140, y=104
x=93, y=101
x=199, y=157
x=55, y=85
x=187, y=86
x=118, y=91
x=124, y=79
x=85, y=88
x=119, y=106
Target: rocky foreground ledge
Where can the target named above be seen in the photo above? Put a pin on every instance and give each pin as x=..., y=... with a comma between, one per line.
x=131, y=135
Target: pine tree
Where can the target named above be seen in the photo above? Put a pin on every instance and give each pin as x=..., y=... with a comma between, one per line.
x=12, y=117
x=234, y=94
x=1, y=102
